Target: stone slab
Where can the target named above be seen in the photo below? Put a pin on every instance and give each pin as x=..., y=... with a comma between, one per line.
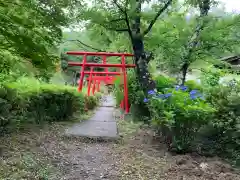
x=103, y=114
x=101, y=125
x=94, y=129
x=109, y=102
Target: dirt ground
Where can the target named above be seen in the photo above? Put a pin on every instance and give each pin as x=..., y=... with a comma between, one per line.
x=45, y=154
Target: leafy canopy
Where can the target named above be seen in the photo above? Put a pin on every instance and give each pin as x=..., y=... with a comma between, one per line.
x=30, y=30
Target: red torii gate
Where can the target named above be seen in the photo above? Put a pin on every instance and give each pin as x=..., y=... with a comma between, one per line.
x=104, y=56
x=97, y=80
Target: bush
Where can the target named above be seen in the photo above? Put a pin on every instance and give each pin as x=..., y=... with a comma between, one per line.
x=179, y=115
x=222, y=134
x=191, y=84
x=29, y=101
x=211, y=77
x=163, y=82
x=91, y=102
x=138, y=108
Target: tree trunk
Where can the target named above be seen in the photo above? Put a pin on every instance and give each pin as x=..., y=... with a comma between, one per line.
x=141, y=59
x=184, y=73
x=204, y=7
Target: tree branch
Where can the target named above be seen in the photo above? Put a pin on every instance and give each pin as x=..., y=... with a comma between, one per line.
x=121, y=30
x=116, y=20
x=166, y=5
x=124, y=11
x=115, y=29
x=99, y=50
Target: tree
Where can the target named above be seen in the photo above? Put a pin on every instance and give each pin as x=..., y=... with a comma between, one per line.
x=128, y=16
x=32, y=29
x=217, y=38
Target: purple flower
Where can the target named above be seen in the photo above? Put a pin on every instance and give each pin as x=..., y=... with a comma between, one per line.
x=151, y=92
x=145, y=100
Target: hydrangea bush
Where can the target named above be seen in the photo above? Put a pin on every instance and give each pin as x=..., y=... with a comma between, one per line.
x=178, y=113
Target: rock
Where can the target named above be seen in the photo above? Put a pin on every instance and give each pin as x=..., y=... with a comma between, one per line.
x=203, y=166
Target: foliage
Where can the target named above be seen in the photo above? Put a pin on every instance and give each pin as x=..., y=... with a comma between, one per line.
x=221, y=136
x=136, y=95
x=211, y=77
x=118, y=90
x=138, y=108
x=128, y=17
x=163, y=82
x=218, y=38
x=191, y=84
x=179, y=115
x=30, y=101
x=30, y=31
x=91, y=101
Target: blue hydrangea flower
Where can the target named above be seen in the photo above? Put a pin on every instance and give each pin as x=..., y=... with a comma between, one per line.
x=145, y=100
x=193, y=92
x=151, y=92
x=183, y=88
x=161, y=96
x=168, y=95
x=193, y=96
x=177, y=87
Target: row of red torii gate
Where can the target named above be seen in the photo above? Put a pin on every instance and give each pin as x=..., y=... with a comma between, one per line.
x=95, y=78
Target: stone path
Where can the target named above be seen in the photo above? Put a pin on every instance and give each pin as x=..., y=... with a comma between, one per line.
x=101, y=125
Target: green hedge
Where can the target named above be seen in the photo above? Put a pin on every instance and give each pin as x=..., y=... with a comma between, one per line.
x=29, y=101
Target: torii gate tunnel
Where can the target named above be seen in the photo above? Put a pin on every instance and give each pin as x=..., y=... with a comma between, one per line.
x=107, y=79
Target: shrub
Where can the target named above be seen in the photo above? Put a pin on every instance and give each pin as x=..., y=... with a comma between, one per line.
x=191, y=84
x=29, y=101
x=222, y=134
x=211, y=77
x=163, y=82
x=179, y=115
x=118, y=90
x=91, y=102
x=138, y=108
x=8, y=107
